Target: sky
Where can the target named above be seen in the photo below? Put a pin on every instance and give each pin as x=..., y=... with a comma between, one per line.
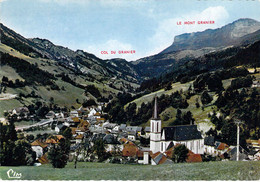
x=98, y=26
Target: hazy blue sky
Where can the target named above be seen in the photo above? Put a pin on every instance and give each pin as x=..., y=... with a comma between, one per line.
x=146, y=26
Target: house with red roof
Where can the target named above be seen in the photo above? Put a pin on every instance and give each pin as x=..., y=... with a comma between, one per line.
x=44, y=159
x=130, y=150
x=143, y=155
x=159, y=158
x=221, y=148
x=52, y=140
x=39, y=148
x=97, y=115
x=257, y=156
x=79, y=138
x=193, y=157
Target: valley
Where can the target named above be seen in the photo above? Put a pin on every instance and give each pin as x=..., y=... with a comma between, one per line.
x=54, y=99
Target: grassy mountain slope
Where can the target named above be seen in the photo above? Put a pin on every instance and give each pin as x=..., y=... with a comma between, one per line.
x=67, y=94
x=200, y=115
x=247, y=55
x=78, y=61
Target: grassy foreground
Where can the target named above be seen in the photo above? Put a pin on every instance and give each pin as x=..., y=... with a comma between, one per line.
x=230, y=170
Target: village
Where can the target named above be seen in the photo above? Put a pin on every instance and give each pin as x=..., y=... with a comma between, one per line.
x=128, y=144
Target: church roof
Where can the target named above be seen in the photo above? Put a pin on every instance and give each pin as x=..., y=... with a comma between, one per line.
x=181, y=133
x=155, y=111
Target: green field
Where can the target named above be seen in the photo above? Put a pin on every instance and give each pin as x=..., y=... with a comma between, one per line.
x=231, y=170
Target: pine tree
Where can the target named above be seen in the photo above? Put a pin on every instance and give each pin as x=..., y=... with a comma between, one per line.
x=14, y=152
x=205, y=98
x=99, y=148
x=180, y=153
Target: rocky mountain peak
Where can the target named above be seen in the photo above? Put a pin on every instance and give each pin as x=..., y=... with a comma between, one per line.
x=43, y=42
x=243, y=27
x=225, y=36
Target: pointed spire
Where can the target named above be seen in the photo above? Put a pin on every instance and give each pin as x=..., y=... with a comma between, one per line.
x=155, y=116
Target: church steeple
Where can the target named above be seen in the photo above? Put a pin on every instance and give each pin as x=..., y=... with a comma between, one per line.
x=155, y=111
x=156, y=127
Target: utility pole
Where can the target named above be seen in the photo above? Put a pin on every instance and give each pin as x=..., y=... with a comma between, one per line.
x=237, y=122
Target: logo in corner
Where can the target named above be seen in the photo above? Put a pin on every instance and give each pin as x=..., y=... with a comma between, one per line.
x=12, y=174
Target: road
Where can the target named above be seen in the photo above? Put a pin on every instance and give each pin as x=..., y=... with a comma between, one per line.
x=41, y=123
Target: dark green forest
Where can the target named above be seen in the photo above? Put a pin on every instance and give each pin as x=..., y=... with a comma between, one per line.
x=222, y=62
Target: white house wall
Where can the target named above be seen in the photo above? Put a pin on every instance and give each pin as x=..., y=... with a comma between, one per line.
x=131, y=137
x=210, y=150
x=113, y=147
x=38, y=150
x=145, y=159
x=196, y=146
x=92, y=112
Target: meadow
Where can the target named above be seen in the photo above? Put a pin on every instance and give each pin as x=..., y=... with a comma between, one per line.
x=228, y=170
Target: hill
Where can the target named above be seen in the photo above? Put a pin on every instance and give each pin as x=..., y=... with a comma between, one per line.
x=226, y=58
x=200, y=115
x=56, y=73
x=230, y=34
x=79, y=61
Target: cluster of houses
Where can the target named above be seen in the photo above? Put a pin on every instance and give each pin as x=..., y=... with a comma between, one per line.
x=224, y=151
x=88, y=125
x=20, y=112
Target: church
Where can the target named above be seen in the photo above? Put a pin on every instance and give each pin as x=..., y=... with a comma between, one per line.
x=161, y=139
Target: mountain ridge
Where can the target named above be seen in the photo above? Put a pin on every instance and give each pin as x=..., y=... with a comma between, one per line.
x=189, y=46
x=227, y=34
x=194, y=45
x=79, y=61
